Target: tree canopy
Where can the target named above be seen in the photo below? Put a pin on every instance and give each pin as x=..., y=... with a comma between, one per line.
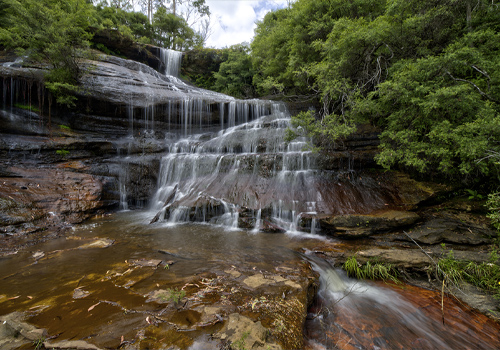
x=50, y=31
x=426, y=72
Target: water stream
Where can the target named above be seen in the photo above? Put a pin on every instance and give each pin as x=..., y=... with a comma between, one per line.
x=349, y=314
x=226, y=177
x=372, y=315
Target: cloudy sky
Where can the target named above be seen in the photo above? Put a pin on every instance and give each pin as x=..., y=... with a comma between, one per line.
x=234, y=20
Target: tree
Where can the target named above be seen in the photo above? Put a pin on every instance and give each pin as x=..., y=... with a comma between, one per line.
x=235, y=75
x=442, y=113
x=54, y=32
x=172, y=31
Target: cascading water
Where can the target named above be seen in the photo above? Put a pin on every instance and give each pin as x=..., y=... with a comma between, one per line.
x=229, y=158
x=233, y=171
x=172, y=61
x=352, y=314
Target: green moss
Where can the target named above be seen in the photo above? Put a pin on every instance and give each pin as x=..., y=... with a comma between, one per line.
x=62, y=152
x=27, y=107
x=64, y=127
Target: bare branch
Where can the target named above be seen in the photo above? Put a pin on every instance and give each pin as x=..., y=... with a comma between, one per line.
x=474, y=85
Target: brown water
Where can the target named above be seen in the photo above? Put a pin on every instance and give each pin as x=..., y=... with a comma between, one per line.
x=77, y=291
x=195, y=254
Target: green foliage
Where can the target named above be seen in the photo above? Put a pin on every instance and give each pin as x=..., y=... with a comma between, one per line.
x=240, y=344
x=172, y=31
x=370, y=270
x=62, y=152
x=484, y=275
x=426, y=72
x=165, y=30
x=27, y=107
x=64, y=127
x=474, y=195
x=175, y=295
x=235, y=74
x=38, y=343
x=439, y=113
x=493, y=205
x=51, y=32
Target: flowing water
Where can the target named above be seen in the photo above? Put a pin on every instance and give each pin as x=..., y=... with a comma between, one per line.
x=351, y=314
x=226, y=167
x=115, y=294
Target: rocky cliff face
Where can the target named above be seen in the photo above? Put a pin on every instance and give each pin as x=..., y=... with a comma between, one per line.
x=62, y=167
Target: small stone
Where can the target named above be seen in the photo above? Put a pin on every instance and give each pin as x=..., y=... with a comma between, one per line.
x=99, y=243
x=80, y=293
x=147, y=262
x=233, y=273
x=38, y=255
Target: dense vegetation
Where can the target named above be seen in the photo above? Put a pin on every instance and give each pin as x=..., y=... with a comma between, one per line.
x=426, y=72
x=59, y=33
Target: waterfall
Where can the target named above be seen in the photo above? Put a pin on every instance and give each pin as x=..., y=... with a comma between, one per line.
x=229, y=176
x=172, y=61
x=226, y=158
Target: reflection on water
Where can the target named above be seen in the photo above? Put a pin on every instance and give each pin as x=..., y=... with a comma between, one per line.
x=348, y=315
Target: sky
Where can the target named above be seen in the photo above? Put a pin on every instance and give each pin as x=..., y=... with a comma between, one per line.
x=234, y=20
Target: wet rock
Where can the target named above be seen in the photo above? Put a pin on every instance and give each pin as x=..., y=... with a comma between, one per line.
x=477, y=299
x=451, y=231
x=365, y=225
x=99, y=243
x=79, y=293
x=14, y=332
x=233, y=273
x=269, y=227
x=161, y=296
x=147, y=262
x=38, y=255
x=53, y=197
x=243, y=333
x=246, y=222
x=257, y=281
x=412, y=192
x=70, y=345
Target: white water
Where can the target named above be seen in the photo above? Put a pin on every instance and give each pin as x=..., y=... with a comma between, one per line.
x=172, y=61
x=367, y=315
x=245, y=165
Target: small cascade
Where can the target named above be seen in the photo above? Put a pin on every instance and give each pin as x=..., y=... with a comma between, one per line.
x=172, y=61
x=353, y=314
x=258, y=221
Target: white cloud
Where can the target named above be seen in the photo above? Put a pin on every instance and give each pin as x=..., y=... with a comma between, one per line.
x=234, y=20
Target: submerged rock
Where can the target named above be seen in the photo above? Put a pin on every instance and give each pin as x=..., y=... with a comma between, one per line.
x=70, y=345
x=243, y=333
x=14, y=332
x=98, y=243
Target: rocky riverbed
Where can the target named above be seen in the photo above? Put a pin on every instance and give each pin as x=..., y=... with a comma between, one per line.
x=57, y=173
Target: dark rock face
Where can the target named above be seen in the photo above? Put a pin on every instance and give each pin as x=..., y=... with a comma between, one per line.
x=123, y=46
x=443, y=230
x=352, y=226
